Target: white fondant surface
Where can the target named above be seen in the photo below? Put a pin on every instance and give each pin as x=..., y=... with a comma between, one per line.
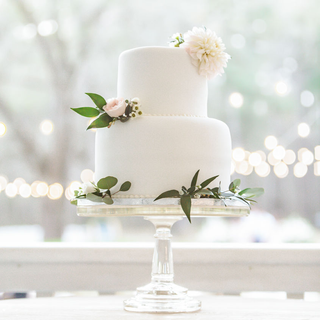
x=161, y=153
x=164, y=79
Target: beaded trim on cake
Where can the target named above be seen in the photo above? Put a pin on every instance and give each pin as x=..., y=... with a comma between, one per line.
x=134, y=196
x=174, y=115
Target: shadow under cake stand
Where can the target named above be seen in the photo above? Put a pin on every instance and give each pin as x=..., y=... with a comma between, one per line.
x=161, y=294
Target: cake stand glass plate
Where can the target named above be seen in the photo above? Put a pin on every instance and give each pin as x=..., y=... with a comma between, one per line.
x=161, y=295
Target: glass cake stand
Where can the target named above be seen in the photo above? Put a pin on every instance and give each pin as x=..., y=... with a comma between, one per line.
x=161, y=295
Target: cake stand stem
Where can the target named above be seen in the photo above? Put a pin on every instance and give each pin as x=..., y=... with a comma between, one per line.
x=162, y=295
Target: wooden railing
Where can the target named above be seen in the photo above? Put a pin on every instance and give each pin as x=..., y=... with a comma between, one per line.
x=110, y=267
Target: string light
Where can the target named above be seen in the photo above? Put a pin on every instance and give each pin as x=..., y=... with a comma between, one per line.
x=25, y=190
x=281, y=88
x=279, y=152
x=55, y=191
x=34, y=191
x=281, y=170
x=3, y=129
x=3, y=183
x=300, y=170
x=18, y=182
x=306, y=98
x=238, y=154
x=86, y=175
x=11, y=190
x=255, y=159
x=42, y=189
x=47, y=27
x=270, y=142
x=307, y=157
x=289, y=157
x=236, y=99
x=317, y=168
x=46, y=127
x=263, y=169
x=317, y=152
x=303, y=130
x=272, y=160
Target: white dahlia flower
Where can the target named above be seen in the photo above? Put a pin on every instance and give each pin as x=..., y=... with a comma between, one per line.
x=206, y=50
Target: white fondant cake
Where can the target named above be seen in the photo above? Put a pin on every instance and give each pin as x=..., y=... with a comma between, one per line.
x=162, y=149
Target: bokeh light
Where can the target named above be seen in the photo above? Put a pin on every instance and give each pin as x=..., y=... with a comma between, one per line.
x=18, y=182
x=263, y=169
x=86, y=175
x=55, y=191
x=42, y=189
x=303, y=130
x=317, y=168
x=281, y=88
x=34, y=191
x=300, y=170
x=238, y=154
x=25, y=190
x=255, y=159
x=74, y=185
x=317, y=152
x=46, y=127
x=11, y=190
x=3, y=182
x=270, y=142
x=3, y=129
x=289, y=157
x=279, y=152
x=236, y=99
x=272, y=160
x=47, y=27
x=281, y=170
x=306, y=98
x=307, y=157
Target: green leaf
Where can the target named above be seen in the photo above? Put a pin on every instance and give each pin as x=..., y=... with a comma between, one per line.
x=205, y=191
x=74, y=202
x=86, y=111
x=107, y=182
x=125, y=186
x=251, y=192
x=194, y=179
x=93, y=197
x=168, y=194
x=185, y=202
x=234, y=184
x=97, y=99
x=191, y=189
x=107, y=200
x=128, y=110
x=101, y=122
x=208, y=181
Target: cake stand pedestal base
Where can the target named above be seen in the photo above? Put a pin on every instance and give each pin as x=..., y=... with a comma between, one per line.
x=162, y=295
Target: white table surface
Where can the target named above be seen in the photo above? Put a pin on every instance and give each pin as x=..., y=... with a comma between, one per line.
x=110, y=307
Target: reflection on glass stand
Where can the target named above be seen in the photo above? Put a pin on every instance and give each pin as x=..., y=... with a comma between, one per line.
x=161, y=294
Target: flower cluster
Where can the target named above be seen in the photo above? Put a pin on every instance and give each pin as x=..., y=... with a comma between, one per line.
x=206, y=50
x=108, y=112
x=101, y=191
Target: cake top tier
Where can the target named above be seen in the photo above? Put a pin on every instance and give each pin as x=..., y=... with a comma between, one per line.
x=164, y=79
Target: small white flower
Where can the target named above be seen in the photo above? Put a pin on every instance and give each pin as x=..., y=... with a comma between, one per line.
x=136, y=101
x=197, y=196
x=206, y=50
x=181, y=193
x=87, y=187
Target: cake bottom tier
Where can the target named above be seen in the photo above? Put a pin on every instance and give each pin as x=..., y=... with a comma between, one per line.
x=160, y=153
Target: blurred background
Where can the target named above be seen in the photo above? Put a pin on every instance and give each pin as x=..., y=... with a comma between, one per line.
x=52, y=52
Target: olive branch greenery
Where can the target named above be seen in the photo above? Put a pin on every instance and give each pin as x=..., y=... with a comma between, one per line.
x=200, y=191
x=103, y=119
x=102, y=191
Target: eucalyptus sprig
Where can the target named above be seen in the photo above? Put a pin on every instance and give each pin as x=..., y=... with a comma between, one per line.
x=185, y=195
x=100, y=192
x=200, y=191
x=103, y=119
